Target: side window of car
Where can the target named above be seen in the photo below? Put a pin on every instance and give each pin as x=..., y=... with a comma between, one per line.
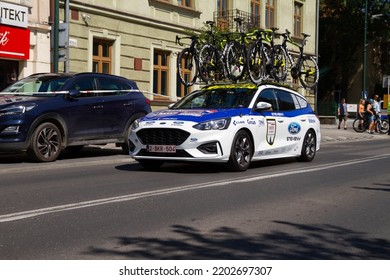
x=268, y=96
x=85, y=84
x=286, y=101
x=113, y=87
x=301, y=102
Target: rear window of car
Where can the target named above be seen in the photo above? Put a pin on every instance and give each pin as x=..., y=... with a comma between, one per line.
x=300, y=102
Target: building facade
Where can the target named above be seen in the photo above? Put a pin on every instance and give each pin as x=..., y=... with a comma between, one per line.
x=136, y=38
x=24, y=39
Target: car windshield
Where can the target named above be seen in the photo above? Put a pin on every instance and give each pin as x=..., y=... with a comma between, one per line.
x=217, y=98
x=38, y=84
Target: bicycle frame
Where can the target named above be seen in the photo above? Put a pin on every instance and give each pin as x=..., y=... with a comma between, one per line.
x=293, y=62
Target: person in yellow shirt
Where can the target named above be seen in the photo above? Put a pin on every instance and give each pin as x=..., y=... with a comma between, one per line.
x=361, y=111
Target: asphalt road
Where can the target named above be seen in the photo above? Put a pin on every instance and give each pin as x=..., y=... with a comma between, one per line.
x=102, y=205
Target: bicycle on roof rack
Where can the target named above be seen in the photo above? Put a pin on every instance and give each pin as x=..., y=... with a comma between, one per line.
x=304, y=67
x=212, y=56
x=188, y=61
x=236, y=56
x=266, y=59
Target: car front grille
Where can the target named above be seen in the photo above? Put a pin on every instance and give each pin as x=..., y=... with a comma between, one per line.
x=162, y=136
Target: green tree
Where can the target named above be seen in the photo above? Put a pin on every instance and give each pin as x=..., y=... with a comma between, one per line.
x=341, y=42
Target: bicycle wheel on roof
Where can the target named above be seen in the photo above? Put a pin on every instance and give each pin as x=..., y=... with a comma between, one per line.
x=256, y=64
x=235, y=61
x=308, y=72
x=187, y=67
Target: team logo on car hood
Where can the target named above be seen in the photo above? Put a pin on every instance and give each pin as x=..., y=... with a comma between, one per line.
x=194, y=115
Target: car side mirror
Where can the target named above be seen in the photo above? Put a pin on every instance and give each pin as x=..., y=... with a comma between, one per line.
x=263, y=106
x=73, y=93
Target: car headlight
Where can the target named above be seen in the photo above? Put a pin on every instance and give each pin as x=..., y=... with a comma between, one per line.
x=16, y=110
x=214, y=124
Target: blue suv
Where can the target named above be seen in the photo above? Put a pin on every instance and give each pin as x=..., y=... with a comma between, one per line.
x=45, y=113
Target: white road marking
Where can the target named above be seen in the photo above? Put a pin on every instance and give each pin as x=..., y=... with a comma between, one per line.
x=118, y=199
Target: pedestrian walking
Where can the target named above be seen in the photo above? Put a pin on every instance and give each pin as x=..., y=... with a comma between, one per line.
x=376, y=109
x=371, y=115
x=342, y=113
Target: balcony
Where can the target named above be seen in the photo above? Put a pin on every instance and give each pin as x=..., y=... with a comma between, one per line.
x=225, y=20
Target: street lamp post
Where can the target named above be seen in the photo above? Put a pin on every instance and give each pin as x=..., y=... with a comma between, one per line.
x=364, y=87
x=364, y=92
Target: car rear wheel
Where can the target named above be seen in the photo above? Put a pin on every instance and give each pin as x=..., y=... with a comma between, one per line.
x=45, y=143
x=241, y=152
x=309, y=147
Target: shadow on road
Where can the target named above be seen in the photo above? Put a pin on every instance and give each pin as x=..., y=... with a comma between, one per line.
x=325, y=242
x=381, y=187
x=86, y=152
x=201, y=167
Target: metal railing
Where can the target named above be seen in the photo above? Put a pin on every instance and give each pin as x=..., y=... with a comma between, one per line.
x=225, y=20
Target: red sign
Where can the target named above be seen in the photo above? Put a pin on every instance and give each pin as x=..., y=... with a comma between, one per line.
x=14, y=42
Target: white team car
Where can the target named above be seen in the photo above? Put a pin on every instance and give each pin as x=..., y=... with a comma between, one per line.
x=232, y=123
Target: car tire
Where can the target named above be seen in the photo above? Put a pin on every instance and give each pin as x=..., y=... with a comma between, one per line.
x=125, y=145
x=309, y=147
x=150, y=164
x=241, y=152
x=45, y=143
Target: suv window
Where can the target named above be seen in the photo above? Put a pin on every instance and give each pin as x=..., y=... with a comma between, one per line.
x=84, y=84
x=115, y=86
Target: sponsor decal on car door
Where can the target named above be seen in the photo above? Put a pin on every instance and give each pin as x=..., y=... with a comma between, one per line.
x=271, y=131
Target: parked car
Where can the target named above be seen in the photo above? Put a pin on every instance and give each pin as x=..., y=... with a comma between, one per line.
x=233, y=124
x=45, y=113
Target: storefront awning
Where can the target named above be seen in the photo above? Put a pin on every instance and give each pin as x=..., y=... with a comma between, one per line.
x=14, y=42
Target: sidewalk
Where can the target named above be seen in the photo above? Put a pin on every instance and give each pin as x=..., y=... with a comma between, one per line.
x=329, y=132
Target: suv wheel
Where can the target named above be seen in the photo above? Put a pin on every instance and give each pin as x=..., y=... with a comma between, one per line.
x=125, y=145
x=45, y=143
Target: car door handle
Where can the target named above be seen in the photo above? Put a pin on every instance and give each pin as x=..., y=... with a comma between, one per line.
x=130, y=104
x=280, y=120
x=303, y=120
x=98, y=107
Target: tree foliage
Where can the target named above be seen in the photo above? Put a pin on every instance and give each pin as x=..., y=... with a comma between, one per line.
x=342, y=38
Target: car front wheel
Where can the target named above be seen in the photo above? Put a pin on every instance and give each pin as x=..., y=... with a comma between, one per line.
x=241, y=152
x=309, y=147
x=45, y=143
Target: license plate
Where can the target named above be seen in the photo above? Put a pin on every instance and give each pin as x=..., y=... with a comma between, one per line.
x=162, y=148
